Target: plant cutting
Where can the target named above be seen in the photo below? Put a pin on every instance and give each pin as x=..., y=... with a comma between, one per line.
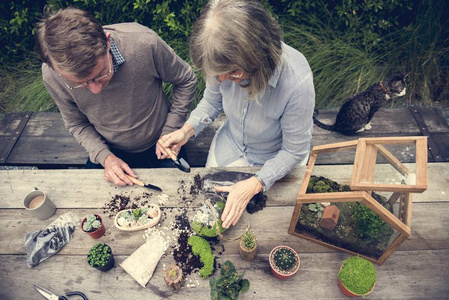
x=173, y=276
x=100, y=257
x=248, y=245
x=357, y=277
x=93, y=226
x=228, y=285
x=284, y=262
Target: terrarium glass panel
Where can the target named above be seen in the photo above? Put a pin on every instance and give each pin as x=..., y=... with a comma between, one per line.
x=377, y=167
x=358, y=228
x=405, y=174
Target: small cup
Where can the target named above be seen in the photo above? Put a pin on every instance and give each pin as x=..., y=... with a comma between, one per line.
x=39, y=205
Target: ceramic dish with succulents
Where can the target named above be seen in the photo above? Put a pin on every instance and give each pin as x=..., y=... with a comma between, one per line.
x=138, y=218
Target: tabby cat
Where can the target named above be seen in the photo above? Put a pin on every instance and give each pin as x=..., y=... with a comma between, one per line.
x=356, y=113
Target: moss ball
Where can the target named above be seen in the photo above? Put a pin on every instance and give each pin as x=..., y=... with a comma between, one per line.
x=358, y=275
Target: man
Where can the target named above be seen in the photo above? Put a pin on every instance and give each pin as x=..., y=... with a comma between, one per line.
x=107, y=83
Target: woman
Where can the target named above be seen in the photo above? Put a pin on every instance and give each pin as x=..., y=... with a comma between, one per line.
x=265, y=89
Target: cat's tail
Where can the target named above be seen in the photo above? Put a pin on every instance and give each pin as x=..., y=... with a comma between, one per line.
x=319, y=124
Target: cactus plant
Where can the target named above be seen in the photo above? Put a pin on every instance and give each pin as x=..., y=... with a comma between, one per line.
x=284, y=258
x=284, y=262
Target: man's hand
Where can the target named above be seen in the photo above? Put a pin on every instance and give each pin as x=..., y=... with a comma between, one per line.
x=239, y=195
x=115, y=169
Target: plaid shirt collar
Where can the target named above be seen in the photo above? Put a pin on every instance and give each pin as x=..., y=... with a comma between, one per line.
x=117, y=58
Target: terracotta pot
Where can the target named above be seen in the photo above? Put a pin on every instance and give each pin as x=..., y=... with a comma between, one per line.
x=283, y=275
x=97, y=233
x=245, y=253
x=351, y=294
x=174, y=282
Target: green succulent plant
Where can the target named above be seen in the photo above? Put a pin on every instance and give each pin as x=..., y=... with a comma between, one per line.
x=91, y=223
x=285, y=259
x=228, y=285
x=318, y=208
x=99, y=255
x=249, y=240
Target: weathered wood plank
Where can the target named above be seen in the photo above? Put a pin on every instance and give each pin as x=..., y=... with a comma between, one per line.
x=10, y=122
x=429, y=230
x=58, y=148
x=385, y=121
x=407, y=275
x=87, y=188
x=434, y=119
x=422, y=257
x=53, y=150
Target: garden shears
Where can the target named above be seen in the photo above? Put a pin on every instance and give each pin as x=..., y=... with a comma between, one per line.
x=49, y=295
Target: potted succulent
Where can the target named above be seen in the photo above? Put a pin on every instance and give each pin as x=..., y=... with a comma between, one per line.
x=100, y=257
x=248, y=245
x=284, y=262
x=93, y=226
x=173, y=276
x=228, y=285
x=357, y=277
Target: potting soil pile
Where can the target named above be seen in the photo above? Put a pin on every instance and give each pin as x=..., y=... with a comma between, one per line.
x=141, y=264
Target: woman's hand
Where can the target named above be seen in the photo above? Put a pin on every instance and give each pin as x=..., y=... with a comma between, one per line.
x=239, y=195
x=115, y=169
x=174, y=140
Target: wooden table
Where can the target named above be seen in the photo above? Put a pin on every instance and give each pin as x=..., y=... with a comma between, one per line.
x=417, y=270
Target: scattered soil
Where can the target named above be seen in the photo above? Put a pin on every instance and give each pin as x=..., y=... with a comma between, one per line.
x=121, y=202
x=195, y=189
x=180, y=228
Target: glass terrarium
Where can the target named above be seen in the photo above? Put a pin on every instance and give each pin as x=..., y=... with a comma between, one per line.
x=368, y=214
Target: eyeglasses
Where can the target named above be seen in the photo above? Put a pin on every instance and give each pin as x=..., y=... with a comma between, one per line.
x=84, y=84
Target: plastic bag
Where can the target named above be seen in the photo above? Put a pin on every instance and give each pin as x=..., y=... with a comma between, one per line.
x=46, y=242
x=224, y=178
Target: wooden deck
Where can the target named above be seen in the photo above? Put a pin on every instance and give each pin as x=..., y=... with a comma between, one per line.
x=417, y=270
x=41, y=140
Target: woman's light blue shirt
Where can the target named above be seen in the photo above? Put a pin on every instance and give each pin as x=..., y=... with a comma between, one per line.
x=274, y=132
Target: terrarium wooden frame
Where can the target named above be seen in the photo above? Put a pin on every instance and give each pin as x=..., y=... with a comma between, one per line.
x=362, y=185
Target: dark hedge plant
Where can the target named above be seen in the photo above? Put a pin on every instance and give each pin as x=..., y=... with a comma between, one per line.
x=173, y=20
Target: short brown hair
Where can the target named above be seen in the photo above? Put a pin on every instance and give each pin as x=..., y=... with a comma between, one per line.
x=72, y=39
x=237, y=34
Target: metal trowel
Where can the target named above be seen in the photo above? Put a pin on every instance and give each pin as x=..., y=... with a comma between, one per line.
x=140, y=183
x=180, y=163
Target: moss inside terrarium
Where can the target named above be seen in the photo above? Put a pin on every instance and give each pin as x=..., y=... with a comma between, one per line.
x=359, y=229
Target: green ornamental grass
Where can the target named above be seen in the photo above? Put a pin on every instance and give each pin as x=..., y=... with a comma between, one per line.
x=358, y=275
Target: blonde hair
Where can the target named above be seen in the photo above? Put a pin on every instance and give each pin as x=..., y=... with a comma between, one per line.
x=234, y=35
x=72, y=39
